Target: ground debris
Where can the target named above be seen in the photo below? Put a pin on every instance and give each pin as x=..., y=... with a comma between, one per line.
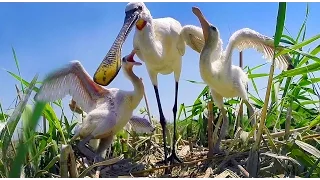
x=196, y=163
x=227, y=174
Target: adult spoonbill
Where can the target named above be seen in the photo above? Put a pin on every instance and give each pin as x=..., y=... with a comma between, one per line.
x=160, y=44
x=216, y=70
x=109, y=110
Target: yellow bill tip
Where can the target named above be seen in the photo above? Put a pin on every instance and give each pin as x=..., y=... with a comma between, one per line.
x=105, y=75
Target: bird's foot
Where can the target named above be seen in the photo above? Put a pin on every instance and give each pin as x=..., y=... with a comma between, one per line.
x=217, y=149
x=173, y=159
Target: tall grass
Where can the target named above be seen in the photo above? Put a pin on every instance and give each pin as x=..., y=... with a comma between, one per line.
x=288, y=131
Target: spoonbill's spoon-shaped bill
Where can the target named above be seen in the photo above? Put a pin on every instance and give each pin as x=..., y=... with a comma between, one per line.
x=111, y=64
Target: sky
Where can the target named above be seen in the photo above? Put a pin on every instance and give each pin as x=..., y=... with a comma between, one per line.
x=47, y=36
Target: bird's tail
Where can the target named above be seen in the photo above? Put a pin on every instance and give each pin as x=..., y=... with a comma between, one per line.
x=193, y=36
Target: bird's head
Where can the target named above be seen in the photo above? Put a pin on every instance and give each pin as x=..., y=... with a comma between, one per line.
x=128, y=61
x=110, y=66
x=140, y=12
x=210, y=32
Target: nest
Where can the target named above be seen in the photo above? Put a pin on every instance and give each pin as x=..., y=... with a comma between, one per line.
x=195, y=164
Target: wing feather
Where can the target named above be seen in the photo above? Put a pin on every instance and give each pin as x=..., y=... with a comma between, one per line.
x=247, y=38
x=71, y=80
x=193, y=36
x=139, y=125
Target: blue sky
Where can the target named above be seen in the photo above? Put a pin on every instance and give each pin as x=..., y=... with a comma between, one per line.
x=47, y=36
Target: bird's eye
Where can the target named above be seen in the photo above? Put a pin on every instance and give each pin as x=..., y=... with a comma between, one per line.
x=140, y=8
x=213, y=28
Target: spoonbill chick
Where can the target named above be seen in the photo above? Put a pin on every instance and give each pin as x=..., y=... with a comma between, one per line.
x=223, y=78
x=108, y=110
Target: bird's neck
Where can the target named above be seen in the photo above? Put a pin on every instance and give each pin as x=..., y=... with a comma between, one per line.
x=205, y=56
x=148, y=40
x=211, y=52
x=138, y=87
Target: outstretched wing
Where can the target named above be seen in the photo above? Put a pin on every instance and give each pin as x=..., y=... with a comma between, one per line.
x=71, y=80
x=247, y=38
x=139, y=125
x=193, y=36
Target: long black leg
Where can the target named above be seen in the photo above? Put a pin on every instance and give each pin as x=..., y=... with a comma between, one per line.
x=87, y=151
x=174, y=110
x=163, y=124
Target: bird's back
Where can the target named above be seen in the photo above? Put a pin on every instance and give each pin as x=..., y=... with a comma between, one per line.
x=167, y=31
x=111, y=115
x=167, y=34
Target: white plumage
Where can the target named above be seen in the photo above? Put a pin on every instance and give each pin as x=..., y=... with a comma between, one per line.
x=216, y=69
x=161, y=45
x=71, y=80
x=139, y=125
x=108, y=110
x=247, y=38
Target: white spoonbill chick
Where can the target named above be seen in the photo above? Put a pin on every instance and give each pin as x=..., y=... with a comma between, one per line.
x=158, y=43
x=108, y=110
x=136, y=124
x=223, y=78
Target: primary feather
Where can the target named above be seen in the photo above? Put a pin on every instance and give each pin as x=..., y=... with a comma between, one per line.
x=71, y=80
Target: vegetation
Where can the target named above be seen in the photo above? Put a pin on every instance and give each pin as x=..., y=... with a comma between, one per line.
x=289, y=124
